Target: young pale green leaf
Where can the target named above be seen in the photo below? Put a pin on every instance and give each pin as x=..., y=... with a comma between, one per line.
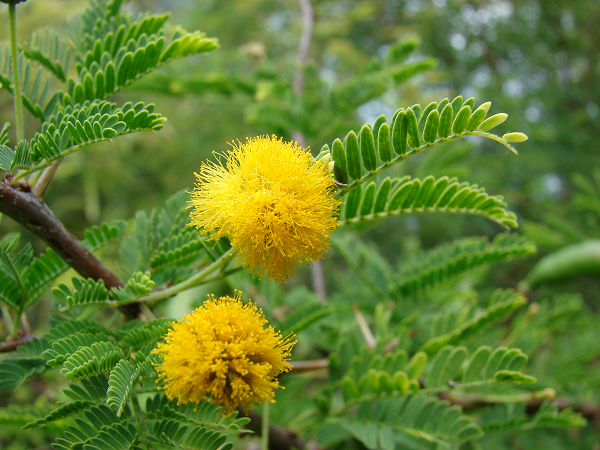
x=515, y=137
x=476, y=118
x=492, y=122
x=461, y=120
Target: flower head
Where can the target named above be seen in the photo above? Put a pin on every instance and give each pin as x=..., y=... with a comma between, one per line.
x=222, y=351
x=274, y=202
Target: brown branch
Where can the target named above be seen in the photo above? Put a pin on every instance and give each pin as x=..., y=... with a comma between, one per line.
x=279, y=438
x=307, y=366
x=31, y=212
x=12, y=344
x=590, y=411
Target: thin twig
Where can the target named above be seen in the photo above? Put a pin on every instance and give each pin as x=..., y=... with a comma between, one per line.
x=191, y=282
x=44, y=179
x=12, y=345
x=306, y=366
x=264, y=429
x=307, y=27
x=279, y=438
x=26, y=325
x=12, y=19
x=364, y=328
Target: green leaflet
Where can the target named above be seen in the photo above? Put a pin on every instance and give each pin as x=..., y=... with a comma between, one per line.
x=510, y=418
x=443, y=195
x=35, y=85
x=412, y=131
x=491, y=314
x=378, y=423
x=120, y=385
x=452, y=260
x=100, y=357
x=100, y=429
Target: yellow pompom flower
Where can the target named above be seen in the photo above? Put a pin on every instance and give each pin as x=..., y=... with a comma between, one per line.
x=272, y=200
x=222, y=351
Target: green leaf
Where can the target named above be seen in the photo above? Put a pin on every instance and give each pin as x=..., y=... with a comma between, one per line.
x=15, y=371
x=352, y=203
x=304, y=317
x=120, y=385
x=100, y=357
x=450, y=261
x=62, y=412
x=461, y=120
x=416, y=419
x=383, y=143
x=412, y=129
x=139, y=285
x=84, y=293
x=430, y=131
x=6, y=157
x=400, y=133
x=367, y=148
x=425, y=115
x=492, y=122
x=65, y=347
x=339, y=156
x=476, y=118
x=444, y=195
x=368, y=199
x=145, y=332
x=445, y=126
x=353, y=156
x=416, y=365
x=491, y=314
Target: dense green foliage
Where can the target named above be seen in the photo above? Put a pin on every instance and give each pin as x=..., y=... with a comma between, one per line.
x=430, y=339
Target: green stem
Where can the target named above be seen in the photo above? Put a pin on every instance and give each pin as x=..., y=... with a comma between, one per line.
x=12, y=18
x=15, y=333
x=147, y=312
x=7, y=319
x=190, y=282
x=140, y=418
x=264, y=443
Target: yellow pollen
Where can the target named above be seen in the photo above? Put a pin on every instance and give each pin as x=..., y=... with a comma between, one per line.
x=222, y=351
x=275, y=204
